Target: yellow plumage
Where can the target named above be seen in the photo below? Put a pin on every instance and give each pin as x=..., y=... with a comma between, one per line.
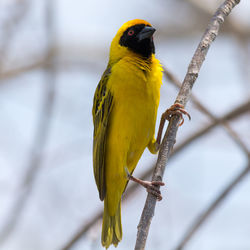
x=124, y=114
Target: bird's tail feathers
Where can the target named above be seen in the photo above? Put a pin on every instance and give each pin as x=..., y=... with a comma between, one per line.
x=111, y=226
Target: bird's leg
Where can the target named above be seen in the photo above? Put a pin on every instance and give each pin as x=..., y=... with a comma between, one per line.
x=175, y=109
x=151, y=186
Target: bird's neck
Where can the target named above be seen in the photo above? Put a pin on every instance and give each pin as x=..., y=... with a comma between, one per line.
x=140, y=62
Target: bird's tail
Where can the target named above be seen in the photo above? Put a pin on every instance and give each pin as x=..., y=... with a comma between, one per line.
x=111, y=226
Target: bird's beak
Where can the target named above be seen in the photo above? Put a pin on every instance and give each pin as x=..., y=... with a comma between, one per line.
x=146, y=32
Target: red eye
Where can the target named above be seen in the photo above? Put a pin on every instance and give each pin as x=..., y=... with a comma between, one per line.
x=131, y=32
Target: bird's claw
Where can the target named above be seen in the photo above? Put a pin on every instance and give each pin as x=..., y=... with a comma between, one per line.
x=176, y=109
x=153, y=188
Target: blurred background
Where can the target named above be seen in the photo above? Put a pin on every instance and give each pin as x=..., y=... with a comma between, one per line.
x=52, y=55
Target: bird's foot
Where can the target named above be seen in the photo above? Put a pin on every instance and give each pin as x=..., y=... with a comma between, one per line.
x=151, y=186
x=176, y=109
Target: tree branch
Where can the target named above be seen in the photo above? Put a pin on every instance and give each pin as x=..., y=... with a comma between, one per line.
x=182, y=98
x=169, y=75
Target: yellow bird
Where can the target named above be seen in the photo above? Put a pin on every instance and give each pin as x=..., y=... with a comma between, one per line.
x=124, y=115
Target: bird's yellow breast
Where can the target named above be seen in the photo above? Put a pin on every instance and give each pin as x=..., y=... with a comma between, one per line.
x=136, y=91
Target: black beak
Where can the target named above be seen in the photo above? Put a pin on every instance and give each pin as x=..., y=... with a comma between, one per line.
x=146, y=32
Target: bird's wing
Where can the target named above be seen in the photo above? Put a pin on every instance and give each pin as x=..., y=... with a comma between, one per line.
x=102, y=107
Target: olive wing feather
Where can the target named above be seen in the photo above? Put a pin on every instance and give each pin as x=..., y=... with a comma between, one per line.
x=102, y=106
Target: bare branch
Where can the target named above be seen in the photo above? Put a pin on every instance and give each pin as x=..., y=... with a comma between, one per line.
x=204, y=110
x=234, y=114
x=212, y=207
x=182, y=98
x=231, y=26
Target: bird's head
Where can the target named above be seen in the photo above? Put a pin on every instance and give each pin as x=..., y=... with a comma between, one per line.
x=135, y=38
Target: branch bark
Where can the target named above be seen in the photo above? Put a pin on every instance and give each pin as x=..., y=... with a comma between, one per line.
x=182, y=98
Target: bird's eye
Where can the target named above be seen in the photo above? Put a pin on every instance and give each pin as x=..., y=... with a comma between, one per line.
x=131, y=32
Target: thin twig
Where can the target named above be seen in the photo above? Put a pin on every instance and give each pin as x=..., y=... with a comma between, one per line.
x=212, y=207
x=169, y=75
x=39, y=139
x=182, y=98
x=199, y=221
x=233, y=114
x=231, y=26
x=236, y=28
